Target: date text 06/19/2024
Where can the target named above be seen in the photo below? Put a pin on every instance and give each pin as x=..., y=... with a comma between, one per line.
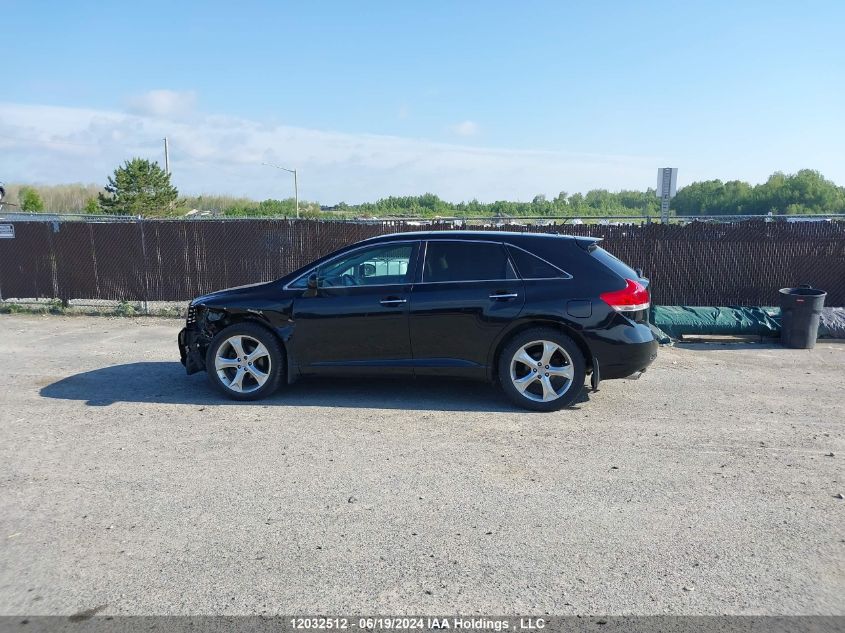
x=407, y=623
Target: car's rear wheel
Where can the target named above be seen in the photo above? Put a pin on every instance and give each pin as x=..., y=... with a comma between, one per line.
x=245, y=361
x=541, y=369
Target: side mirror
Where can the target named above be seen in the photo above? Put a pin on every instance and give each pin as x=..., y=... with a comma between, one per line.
x=312, y=282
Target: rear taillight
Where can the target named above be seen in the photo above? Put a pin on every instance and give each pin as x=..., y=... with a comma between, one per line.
x=633, y=297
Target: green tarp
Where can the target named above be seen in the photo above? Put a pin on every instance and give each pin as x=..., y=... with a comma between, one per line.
x=676, y=321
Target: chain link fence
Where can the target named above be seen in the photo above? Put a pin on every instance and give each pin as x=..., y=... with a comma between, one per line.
x=155, y=263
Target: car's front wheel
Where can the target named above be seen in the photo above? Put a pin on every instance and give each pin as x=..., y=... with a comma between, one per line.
x=541, y=369
x=245, y=361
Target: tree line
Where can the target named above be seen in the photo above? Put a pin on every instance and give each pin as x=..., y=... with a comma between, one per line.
x=141, y=187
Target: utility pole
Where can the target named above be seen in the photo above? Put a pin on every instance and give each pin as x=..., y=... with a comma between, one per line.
x=295, y=183
x=166, y=158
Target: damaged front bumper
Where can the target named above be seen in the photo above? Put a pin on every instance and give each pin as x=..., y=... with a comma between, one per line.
x=191, y=350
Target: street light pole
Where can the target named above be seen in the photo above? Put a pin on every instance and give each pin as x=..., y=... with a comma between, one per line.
x=295, y=183
x=296, y=193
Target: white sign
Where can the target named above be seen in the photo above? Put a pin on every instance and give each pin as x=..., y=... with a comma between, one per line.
x=7, y=231
x=667, y=179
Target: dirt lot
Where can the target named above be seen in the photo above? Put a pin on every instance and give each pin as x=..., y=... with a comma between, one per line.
x=704, y=487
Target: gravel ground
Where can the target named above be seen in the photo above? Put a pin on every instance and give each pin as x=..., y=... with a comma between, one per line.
x=705, y=487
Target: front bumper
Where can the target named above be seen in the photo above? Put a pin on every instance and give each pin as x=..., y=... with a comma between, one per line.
x=191, y=351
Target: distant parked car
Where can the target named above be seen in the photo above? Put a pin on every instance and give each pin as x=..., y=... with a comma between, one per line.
x=534, y=312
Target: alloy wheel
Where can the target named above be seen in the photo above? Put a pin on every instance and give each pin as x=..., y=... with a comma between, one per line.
x=542, y=371
x=242, y=363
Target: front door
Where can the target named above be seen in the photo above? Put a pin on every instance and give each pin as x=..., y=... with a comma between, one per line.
x=357, y=316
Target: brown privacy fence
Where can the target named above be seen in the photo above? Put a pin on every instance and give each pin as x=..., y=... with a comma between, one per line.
x=174, y=260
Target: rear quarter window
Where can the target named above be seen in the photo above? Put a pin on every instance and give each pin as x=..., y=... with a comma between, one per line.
x=614, y=263
x=532, y=267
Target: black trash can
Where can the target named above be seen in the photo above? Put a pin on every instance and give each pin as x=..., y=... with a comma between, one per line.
x=800, y=309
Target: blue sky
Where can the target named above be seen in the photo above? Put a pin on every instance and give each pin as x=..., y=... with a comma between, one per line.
x=468, y=100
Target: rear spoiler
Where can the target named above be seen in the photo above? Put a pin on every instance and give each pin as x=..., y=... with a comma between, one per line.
x=588, y=243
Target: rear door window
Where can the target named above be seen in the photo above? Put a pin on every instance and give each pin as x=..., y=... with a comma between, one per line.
x=466, y=261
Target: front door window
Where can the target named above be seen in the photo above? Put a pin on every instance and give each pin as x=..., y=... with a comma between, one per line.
x=382, y=265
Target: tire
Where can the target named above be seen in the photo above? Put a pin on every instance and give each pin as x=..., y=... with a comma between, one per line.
x=263, y=370
x=541, y=369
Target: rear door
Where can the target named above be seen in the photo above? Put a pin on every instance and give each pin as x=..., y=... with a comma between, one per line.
x=467, y=293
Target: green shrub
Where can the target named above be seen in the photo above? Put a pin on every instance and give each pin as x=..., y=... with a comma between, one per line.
x=126, y=309
x=56, y=306
x=12, y=308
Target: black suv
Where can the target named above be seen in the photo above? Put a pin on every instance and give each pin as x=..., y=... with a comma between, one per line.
x=536, y=312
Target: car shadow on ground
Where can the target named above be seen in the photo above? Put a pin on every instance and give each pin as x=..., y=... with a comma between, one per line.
x=167, y=383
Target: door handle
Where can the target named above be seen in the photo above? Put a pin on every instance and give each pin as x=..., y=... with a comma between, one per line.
x=504, y=295
x=392, y=302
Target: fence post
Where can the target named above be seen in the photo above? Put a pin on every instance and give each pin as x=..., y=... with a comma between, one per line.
x=146, y=268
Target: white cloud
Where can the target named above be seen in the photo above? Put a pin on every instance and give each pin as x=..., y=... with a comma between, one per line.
x=163, y=103
x=465, y=128
x=218, y=154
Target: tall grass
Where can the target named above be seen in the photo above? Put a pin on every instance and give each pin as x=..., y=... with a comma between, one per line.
x=69, y=198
